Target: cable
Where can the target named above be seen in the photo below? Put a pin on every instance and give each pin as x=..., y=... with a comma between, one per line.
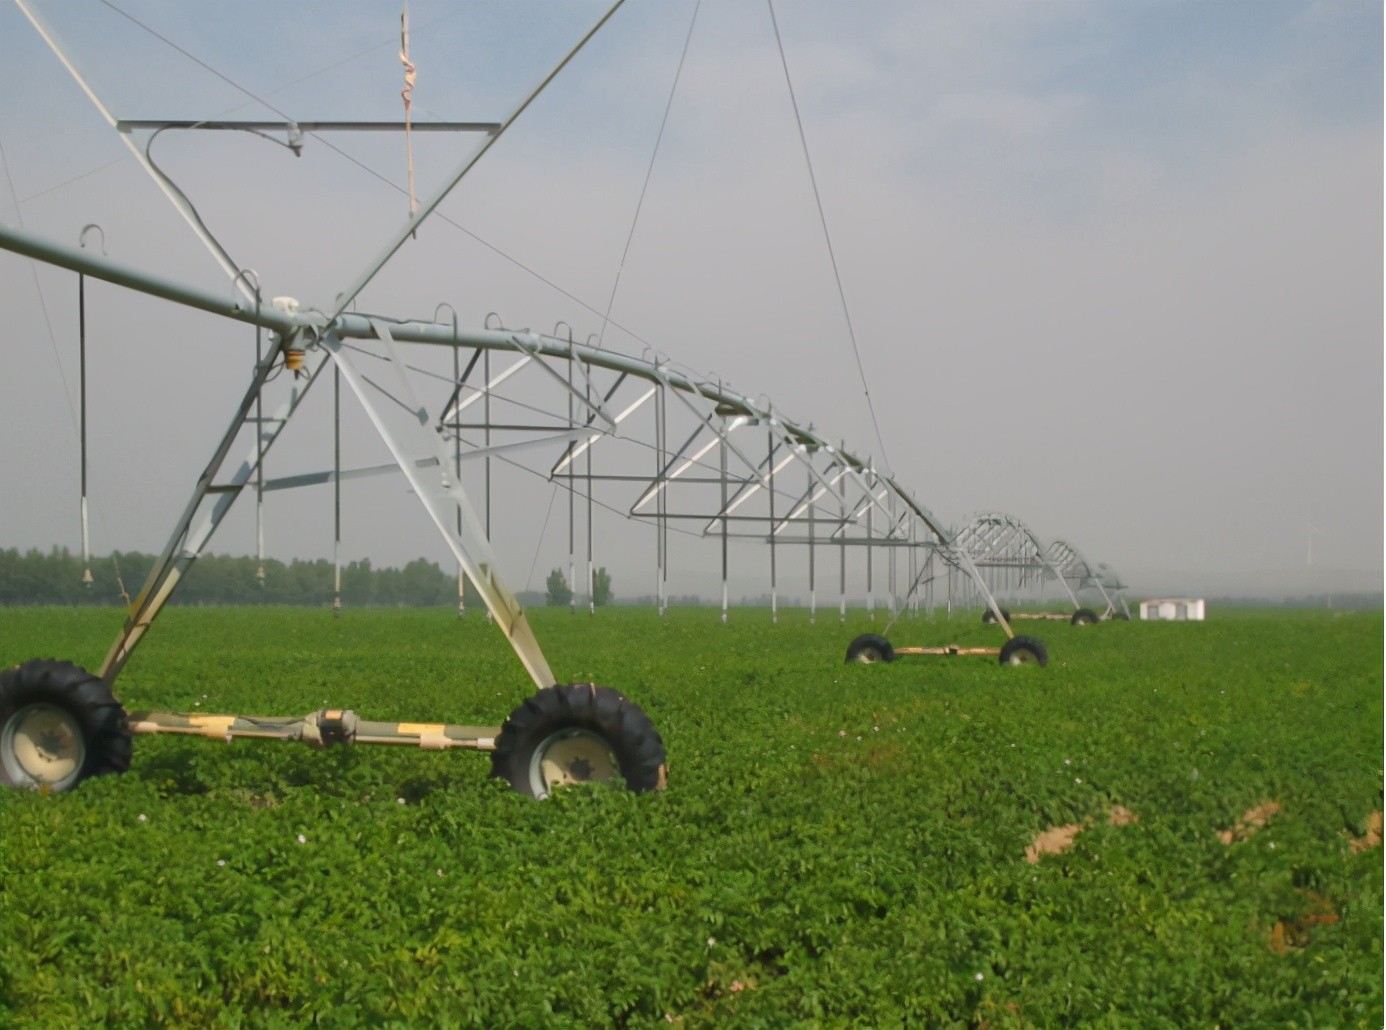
x=69, y=182
x=43, y=303
x=553, y=495
x=649, y=172
x=813, y=181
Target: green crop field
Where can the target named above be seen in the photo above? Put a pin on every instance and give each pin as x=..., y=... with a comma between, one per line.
x=1171, y=825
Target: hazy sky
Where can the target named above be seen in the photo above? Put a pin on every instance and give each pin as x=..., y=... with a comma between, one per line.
x=1114, y=266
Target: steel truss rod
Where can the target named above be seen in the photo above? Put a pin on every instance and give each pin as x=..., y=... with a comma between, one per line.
x=290, y=127
x=210, y=500
x=411, y=225
x=438, y=493
x=370, y=471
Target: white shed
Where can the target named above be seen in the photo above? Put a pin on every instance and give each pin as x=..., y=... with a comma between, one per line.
x=1173, y=608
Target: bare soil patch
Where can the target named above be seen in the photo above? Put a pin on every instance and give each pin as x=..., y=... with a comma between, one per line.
x=1251, y=821
x=1120, y=815
x=1372, y=838
x=1289, y=934
x=1053, y=841
x=1058, y=839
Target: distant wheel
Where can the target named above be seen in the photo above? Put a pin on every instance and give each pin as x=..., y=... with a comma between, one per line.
x=989, y=616
x=579, y=733
x=59, y=724
x=1023, y=651
x=1083, y=617
x=869, y=648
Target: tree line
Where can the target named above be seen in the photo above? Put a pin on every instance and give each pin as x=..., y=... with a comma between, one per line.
x=58, y=577
x=557, y=592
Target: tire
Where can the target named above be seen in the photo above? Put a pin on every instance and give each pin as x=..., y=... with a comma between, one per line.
x=580, y=733
x=989, y=616
x=869, y=648
x=59, y=724
x=1023, y=651
x=1083, y=617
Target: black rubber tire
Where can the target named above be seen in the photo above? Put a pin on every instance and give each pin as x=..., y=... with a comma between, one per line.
x=1083, y=617
x=599, y=711
x=989, y=616
x=869, y=648
x=86, y=698
x=1023, y=651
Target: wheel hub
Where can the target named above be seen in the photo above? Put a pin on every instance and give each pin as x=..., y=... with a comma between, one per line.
x=42, y=745
x=571, y=756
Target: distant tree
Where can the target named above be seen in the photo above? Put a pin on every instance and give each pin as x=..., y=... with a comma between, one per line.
x=424, y=583
x=601, y=587
x=556, y=589
x=357, y=581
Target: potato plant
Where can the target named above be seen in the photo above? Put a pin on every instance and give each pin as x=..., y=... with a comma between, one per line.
x=838, y=844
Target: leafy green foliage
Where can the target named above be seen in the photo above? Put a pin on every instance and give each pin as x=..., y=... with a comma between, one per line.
x=601, y=587
x=556, y=589
x=838, y=844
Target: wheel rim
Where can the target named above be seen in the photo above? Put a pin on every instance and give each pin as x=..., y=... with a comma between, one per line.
x=571, y=756
x=868, y=655
x=1022, y=656
x=42, y=746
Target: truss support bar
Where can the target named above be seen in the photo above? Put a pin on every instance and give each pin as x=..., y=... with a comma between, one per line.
x=134, y=124
x=990, y=652
x=411, y=226
x=438, y=492
x=186, y=543
x=530, y=345
x=320, y=729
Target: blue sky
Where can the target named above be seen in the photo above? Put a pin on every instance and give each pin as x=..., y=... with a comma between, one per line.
x=1113, y=266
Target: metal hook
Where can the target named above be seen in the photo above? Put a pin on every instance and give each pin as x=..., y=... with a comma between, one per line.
x=598, y=344
x=559, y=336
x=500, y=324
x=82, y=236
x=251, y=278
x=439, y=308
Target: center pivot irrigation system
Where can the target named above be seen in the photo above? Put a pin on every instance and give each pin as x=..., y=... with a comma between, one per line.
x=1012, y=558
x=993, y=551
x=999, y=552
x=639, y=437
x=1101, y=579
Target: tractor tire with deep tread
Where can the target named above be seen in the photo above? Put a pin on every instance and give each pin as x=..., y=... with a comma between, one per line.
x=869, y=648
x=579, y=733
x=1023, y=651
x=989, y=616
x=59, y=724
x=1083, y=617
